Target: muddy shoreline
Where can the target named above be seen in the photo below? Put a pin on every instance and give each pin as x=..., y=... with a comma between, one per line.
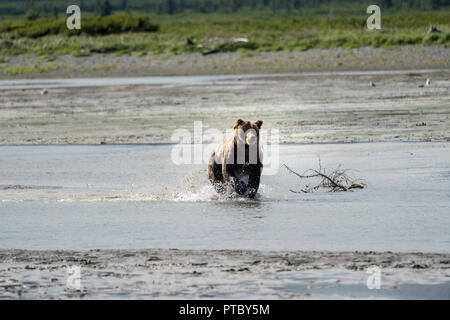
x=337, y=59
x=160, y=274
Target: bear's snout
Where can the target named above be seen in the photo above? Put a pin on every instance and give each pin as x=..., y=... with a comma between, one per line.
x=251, y=138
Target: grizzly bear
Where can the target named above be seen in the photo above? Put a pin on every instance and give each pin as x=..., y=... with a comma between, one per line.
x=237, y=161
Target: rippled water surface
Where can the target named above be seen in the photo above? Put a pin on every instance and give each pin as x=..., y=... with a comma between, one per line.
x=133, y=196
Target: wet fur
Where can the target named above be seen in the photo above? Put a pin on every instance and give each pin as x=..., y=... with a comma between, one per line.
x=223, y=175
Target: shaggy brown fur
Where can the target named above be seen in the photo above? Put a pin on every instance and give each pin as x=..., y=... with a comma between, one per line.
x=229, y=167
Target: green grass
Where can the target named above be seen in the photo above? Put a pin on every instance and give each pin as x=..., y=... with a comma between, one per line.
x=34, y=69
x=265, y=32
x=104, y=67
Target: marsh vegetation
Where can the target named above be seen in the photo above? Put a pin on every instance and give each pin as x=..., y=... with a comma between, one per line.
x=155, y=29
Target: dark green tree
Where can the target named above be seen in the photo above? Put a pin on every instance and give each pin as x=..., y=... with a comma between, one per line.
x=104, y=8
x=171, y=7
x=55, y=12
x=233, y=5
x=124, y=5
x=32, y=13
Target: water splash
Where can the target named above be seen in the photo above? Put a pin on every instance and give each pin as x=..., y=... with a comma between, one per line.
x=193, y=187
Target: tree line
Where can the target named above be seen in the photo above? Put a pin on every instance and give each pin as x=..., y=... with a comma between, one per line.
x=33, y=8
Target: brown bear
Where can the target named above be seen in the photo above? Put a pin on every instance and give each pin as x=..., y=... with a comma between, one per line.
x=237, y=161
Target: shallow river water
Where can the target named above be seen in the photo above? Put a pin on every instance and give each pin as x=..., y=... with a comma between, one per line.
x=134, y=196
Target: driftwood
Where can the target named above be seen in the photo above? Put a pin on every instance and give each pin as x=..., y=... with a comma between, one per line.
x=212, y=51
x=336, y=180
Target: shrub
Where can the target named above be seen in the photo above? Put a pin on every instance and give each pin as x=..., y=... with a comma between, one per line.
x=90, y=25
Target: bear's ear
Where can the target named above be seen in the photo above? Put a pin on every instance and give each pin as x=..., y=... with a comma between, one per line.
x=259, y=123
x=238, y=123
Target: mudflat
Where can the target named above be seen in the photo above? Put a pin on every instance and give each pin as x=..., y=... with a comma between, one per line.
x=304, y=107
x=226, y=274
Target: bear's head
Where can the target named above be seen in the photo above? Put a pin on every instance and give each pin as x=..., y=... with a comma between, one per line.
x=247, y=131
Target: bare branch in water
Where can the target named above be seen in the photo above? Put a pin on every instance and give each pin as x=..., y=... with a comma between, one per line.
x=337, y=180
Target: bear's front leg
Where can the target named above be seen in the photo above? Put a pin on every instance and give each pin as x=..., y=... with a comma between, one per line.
x=225, y=170
x=215, y=174
x=253, y=181
x=226, y=176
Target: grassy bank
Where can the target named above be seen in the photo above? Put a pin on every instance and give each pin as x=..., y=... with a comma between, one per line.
x=133, y=34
